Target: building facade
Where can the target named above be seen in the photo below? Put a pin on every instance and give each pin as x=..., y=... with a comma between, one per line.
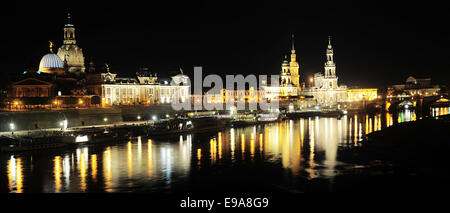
x=325, y=88
x=414, y=87
x=69, y=52
x=361, y=94
x=144, y=89
x=61, y=82
x=289, y=85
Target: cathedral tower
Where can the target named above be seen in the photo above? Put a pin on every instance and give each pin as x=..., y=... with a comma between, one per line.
x=294, y=67
x=285, y=73
x=330, y=79
x=330, y=67
x=70, y=51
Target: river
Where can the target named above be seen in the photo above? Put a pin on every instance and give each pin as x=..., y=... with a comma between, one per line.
x=285, y=156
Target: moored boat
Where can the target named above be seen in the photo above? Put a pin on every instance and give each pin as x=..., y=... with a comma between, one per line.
x=181, y=125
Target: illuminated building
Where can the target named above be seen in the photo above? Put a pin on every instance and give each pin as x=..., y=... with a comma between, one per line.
x=142, y=90
x=414, y=87
x=61, y=82
x=361, y=94
x=69, y=51
x=51, y=63
x=289, y=85
x=247, y=95
x=325, y=89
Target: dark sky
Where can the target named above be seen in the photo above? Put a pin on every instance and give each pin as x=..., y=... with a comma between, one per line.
x=375, y=44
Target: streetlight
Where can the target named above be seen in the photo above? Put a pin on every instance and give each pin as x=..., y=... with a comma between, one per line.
x=154, y=117
x=232, y=110
x=65, y=124
x=139, y=117
x=12, y=127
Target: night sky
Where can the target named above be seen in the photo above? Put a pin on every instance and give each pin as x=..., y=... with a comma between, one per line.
x=375, y=44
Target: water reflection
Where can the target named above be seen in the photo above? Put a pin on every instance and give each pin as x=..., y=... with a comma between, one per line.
x=15, y=177
x=438, y=111
x=305, y=147
x=107, y=170
x=57, y=173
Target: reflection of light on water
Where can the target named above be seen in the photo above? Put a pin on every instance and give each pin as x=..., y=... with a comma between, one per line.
x=82, y=168
x=199, y=155
x=242, y=145
x=166, y=162
x=252, y=145
x=232, y=142
x=220, y=145
x=212, y=150
x=139, y=150
x=360, y=131
x=15, y=178
x=349, y=130
x=355, y=135
x=149, y=158
x=439, y=111
x=406, y=115
x=389, y=120
x=130, y=160
x=367, y=124
x=370, y=125
x=375, y=123
x=107, y=170
x=260, y=142
x=302, y=132
x=311, y=148
x=66, y=170
x=94, y=167
x=285, y=148
x=81, y=138
x=301, y=147
x=57, y=173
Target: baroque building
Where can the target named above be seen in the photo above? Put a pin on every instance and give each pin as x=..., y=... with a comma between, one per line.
x=325, y=89
x=144, y=89
x=69, y=51
x=61, y=82
x=289, y=86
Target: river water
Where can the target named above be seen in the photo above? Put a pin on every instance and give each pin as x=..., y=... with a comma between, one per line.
x=284, y=156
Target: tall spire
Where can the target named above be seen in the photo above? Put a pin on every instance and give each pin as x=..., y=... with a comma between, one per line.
x=293, y=49
x=330, y=67
x=329, y=42
x=69, y=22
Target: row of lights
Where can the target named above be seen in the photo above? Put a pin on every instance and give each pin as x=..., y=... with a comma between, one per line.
x=64, y=123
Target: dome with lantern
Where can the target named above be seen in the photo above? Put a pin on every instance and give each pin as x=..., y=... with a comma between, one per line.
x=51, y=63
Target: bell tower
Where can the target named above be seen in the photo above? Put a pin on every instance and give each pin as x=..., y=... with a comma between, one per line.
x=69, y=32
x=70, y=51
x=330, y=67
x=294, y=67
x=285, y=73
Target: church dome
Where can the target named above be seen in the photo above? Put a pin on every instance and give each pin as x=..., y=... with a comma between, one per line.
x=51, y=60
x=74, y=56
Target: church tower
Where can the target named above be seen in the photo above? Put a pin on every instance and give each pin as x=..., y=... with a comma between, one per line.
x=294, y=67
x=70, y=51
x=69, y=32
x=330, y=79
x=330, y=67
x=285, y=73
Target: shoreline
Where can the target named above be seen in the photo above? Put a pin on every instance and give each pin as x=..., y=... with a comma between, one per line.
x=410, y=156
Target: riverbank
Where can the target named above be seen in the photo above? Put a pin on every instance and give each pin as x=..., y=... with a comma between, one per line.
x=410, y=156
